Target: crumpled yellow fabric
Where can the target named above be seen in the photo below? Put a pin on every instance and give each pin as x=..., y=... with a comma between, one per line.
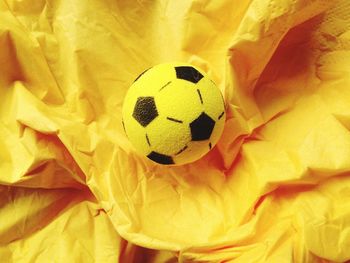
x=276, y=188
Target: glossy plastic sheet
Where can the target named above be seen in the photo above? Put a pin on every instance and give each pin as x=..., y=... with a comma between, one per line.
x=275, y=188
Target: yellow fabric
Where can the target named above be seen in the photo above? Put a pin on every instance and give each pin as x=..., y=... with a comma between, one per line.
x=274, y=189
x=178, y=99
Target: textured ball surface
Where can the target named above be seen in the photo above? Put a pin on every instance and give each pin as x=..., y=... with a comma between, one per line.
x=173, y=113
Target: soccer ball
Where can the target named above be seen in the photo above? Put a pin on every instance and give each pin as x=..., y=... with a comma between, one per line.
x=173, y=113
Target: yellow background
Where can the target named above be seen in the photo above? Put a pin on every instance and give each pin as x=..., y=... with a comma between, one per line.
x=275, y=188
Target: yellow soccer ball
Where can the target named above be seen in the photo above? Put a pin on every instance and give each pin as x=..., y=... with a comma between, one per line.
x=173, y=113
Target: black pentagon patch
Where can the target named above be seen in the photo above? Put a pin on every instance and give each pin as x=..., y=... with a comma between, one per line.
x=160, y=158
x=145, y=110
x=202, y=127
x=188, y=73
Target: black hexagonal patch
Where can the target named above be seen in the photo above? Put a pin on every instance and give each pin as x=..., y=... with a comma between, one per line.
x=145, y=110
x=202, y=127
x=160, y=158
x=188, y=73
